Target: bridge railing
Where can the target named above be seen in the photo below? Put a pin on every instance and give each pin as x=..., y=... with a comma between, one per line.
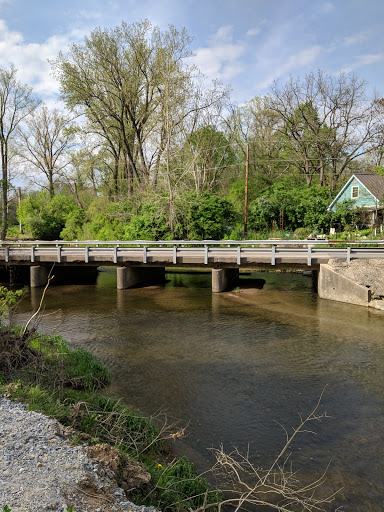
x=184, y=243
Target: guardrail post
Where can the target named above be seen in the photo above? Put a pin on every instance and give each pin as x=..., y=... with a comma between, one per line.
x=239, y=255
x=174, y=254
x=348, y=254
x=144, y=254
x=59, y=254
x=273, y=255
x=309, y=256
x=206, y=254
x=86, y=254
x=115, y=254
x=6, y=254
x=32, y=254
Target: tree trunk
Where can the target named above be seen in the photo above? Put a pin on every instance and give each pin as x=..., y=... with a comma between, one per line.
x=79, y=203
x=50, y=180
x=4, y=190
x=115, y=185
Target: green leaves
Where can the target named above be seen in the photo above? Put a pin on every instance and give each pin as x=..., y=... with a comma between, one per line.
x=290, y=205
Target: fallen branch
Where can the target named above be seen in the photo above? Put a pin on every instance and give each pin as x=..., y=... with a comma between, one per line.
x=41, y=300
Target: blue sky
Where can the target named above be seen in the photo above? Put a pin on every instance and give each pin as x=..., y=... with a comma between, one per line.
x=245, y=43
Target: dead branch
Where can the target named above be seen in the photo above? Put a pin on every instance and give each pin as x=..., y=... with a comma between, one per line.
x=275, y=488
x=41, y=300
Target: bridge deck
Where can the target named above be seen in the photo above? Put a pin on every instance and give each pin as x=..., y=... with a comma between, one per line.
x=207, y=256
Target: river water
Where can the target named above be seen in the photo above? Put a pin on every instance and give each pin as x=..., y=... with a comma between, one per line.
x=236, y=366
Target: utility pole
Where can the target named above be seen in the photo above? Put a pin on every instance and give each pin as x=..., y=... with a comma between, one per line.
x=19, y=198
x=246, y=193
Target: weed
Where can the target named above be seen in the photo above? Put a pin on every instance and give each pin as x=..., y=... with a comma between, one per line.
x=62, y=383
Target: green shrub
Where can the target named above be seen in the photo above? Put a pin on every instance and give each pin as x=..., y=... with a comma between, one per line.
x=181, y=488
x=302, y=233
x=211, y=217
x=44, y=217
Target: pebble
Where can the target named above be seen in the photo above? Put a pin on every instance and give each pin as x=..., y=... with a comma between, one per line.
x=29, y=440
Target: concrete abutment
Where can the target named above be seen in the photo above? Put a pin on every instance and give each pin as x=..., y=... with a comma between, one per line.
x=334, y=286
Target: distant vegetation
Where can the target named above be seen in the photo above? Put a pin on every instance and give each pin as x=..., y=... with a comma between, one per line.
x=145, y=149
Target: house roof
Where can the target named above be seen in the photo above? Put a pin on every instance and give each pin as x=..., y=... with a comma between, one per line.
x=374, y=183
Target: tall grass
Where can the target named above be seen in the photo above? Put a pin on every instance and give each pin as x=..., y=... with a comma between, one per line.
x=64, y=383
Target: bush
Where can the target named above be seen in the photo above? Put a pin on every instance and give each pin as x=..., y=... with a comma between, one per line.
x=211, y=217
x=44, y=217
x=292, y=205
x=302, y=233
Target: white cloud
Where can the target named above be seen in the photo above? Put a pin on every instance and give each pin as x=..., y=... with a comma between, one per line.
x=363, y=60
x=327, y=7
x=359, y=37
x=222, y=58
x=296, y=61
x=253, y=32
x=31, y=59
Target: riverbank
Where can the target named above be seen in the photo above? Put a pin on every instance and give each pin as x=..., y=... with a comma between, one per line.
x=93, y=452
x=41, y=470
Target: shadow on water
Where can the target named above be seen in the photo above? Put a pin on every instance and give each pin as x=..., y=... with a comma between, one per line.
x=237, y=364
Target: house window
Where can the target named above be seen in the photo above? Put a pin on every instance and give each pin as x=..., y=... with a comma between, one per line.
x=355, y=192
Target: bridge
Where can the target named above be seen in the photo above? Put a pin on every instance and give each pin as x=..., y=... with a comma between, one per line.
x=143, y=261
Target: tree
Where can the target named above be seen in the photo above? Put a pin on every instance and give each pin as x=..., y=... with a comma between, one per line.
x=211, y=155
x=116, y=78
x=255, y=124
x=328, y=123
x=47, y=141
x=16, y=104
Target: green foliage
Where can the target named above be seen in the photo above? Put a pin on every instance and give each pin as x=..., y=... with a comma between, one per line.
x=302, y=233
x=257, y=186
x=8, y=300
x=181, y=488
x=346, y=213
x=44, y=216
x=150, y=224
x=77, y=368
x=106, y=220
x=13, y=232
x=295, y=205
x=73, y=228
x=211, y=218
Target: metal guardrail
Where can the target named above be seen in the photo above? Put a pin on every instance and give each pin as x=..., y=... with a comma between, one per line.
x=182, y=243
x=163, y=253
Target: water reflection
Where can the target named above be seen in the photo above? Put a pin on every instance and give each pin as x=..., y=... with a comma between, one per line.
x=237, y=364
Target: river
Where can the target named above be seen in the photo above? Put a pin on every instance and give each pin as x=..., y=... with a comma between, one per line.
x=236, y=366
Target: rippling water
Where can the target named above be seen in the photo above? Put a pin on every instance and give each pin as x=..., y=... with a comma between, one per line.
x=236, y=365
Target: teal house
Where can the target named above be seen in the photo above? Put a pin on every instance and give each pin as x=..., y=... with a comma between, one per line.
x=366, y=191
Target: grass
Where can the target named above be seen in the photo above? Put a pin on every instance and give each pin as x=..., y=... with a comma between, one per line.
x=66, y=383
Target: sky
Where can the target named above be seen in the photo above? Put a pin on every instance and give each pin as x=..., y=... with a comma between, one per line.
x=243, y=43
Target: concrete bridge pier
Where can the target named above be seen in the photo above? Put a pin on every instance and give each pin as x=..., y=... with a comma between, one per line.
x=224, y=279
x=127, y=277
x=38, y=276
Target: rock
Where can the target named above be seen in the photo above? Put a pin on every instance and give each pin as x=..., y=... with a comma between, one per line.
x=59, y=473
x=129, y=475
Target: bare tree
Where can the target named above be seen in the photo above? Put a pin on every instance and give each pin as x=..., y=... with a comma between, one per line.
x=327, y=123
x=16, y=104
x=47, y=141
x=255, y=124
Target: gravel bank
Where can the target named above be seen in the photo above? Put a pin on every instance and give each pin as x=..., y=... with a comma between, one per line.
x=41, y=470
